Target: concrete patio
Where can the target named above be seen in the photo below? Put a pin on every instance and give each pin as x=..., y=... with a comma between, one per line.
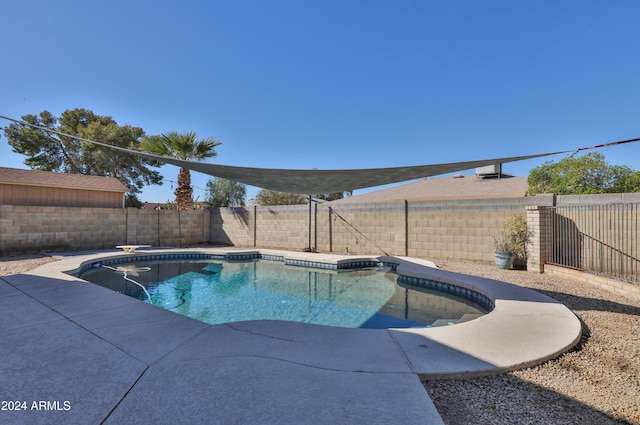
x=95, y=356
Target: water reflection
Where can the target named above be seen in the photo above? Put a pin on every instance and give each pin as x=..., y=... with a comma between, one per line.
x=221, y=292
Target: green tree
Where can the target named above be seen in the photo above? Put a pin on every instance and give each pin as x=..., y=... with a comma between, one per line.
x=184, y=146
x=131, y=200
x=633, y=183
x=225, y=193
x=49, y=151
x=272, y=197
x=580, y=175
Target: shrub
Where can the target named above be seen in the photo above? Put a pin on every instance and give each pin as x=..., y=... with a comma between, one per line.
x=514, y=237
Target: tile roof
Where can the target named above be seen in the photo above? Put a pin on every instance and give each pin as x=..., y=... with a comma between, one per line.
x=16, y=176
x=455, y=187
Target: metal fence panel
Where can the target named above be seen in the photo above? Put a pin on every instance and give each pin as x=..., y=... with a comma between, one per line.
x=600, y=239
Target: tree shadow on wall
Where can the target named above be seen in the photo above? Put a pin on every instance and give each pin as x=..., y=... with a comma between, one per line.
x=218, y=234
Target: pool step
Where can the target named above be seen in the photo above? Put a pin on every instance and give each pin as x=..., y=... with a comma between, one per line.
x=444, y=322
x=469, y=316
x=464, y=318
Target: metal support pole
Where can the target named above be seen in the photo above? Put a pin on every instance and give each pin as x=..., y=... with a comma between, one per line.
x=309, y=224
x=330, y=231
x=406, y=228
x=315, y=227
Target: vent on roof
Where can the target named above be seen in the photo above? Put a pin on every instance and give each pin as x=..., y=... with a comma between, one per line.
x=458, y=176
x=489, y=171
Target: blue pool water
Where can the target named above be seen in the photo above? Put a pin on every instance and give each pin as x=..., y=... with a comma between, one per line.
x=216, y=292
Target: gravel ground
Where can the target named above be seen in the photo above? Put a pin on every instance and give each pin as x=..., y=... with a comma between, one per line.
x=597, y=383
x=23, y=263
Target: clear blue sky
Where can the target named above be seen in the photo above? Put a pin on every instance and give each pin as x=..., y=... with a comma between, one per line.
x=335, y=83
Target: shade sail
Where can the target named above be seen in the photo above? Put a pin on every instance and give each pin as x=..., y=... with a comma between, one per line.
x=311, y=182
x=307, y=182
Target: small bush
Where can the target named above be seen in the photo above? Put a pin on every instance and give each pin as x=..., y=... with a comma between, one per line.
x=514, y=237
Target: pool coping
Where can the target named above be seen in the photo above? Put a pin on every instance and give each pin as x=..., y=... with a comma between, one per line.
x=524, y=329
x=533, y=327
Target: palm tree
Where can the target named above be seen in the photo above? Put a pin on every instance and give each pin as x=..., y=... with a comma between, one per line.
x=184, y=146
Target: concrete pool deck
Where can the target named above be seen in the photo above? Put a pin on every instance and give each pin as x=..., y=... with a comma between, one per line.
x=75, y=352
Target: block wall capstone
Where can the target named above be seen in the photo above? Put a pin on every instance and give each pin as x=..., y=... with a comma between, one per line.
x=596, y=199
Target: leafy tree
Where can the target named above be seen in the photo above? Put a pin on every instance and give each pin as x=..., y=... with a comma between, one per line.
x=225, y=193
x=272, y=197
x=581, y=175
x=628, y=182
x=131, y=200
x=634, y=182
x=184, y=146
x=49, y=151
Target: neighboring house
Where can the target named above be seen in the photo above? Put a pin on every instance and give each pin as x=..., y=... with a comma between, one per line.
x=454, y=187
x=172, y=206
x=158, y=206
x=42, y=188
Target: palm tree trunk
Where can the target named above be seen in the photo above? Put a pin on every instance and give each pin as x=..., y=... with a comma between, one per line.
x=184, y=192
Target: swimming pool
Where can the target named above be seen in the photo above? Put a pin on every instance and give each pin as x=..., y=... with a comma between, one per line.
x=217, y=291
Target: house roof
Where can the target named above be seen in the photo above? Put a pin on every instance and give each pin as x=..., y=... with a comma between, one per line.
x=441, y=188
x=171, y=205
x=19, y=177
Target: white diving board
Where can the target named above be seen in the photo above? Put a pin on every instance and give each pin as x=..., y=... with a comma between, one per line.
x=131, y=248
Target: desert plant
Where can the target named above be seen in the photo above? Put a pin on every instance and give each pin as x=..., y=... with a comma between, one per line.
x=514, y=237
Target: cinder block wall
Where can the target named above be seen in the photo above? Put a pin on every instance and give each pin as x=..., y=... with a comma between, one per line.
x=459, y=229
x=446, y=229
x=143, y=225
x=282, y=227
x=374, y=228
x=26, y=229
x=232, y=226
x=452, y=229
x=167, y=227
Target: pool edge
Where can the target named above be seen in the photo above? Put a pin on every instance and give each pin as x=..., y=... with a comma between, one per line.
x=525, y=328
